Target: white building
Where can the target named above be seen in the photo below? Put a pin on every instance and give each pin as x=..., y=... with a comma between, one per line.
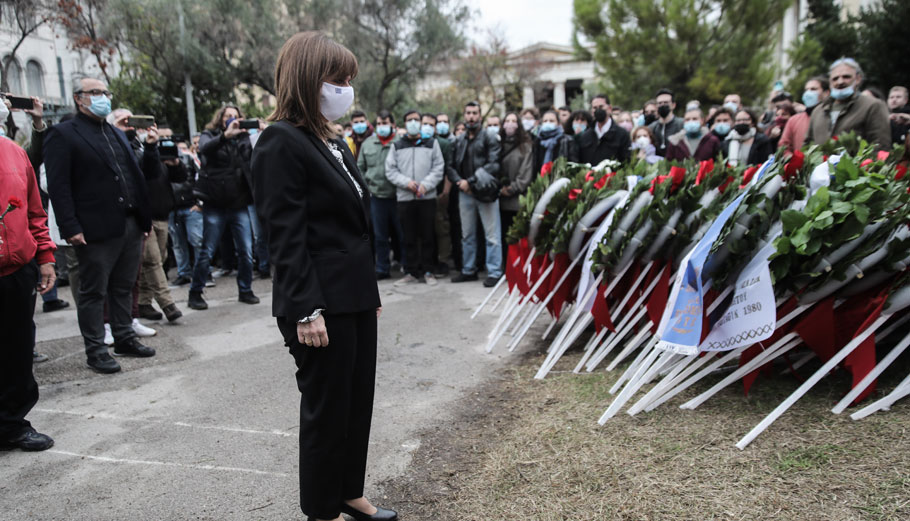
x=556, y=77
x=45, y=66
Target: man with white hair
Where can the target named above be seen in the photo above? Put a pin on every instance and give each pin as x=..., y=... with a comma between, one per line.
x=846, y=110
x=101, y=206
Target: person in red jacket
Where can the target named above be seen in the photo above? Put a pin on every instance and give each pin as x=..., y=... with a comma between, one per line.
x=26, y=257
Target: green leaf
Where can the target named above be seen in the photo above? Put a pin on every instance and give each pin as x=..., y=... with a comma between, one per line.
x=864, y=195
x=862, y=213
x=792, y=219
x=800, y=238
x=841, y=207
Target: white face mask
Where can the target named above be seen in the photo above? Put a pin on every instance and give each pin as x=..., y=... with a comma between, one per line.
x=142, y=135
x=4, y=112
x=643, y=141
x=528, y=124
x=334, y=101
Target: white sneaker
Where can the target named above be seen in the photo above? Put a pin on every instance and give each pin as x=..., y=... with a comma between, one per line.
x=430, y=279
x=407, y=279
x=142, y=330
x=108, y=336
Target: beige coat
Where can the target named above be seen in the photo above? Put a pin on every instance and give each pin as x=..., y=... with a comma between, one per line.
x=865, y=115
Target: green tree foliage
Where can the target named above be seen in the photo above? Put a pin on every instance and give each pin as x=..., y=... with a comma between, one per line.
x=826, y=37
x=702, y=49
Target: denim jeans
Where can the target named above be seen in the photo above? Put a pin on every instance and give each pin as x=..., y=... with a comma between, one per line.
x=215, y=220
x=385, y=218
x=489, y=218
x=185, y=227
x=261, y=242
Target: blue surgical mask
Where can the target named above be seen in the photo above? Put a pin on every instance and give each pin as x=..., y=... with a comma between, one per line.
x=810, y=98
x=493, y=129
x=732, y=107
x=253, y=131
x=360, y=128
x=840, y=94
x=384, y=130
x=722, y=129
x=101, y=106
x=548, y=127
x=692, y=127
x=427, y=131
x=413, y=127
x=640, y=122
x=579, y=127
x=442, y=128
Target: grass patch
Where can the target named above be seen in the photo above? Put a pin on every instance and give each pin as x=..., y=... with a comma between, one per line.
x=532, y=450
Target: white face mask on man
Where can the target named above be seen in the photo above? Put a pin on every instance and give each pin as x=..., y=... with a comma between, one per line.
x=4, y=111
x=334, y=101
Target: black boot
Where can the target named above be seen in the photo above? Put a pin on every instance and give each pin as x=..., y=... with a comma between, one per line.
x=196, y=301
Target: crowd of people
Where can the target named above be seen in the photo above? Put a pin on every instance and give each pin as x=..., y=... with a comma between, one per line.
x=120, y=192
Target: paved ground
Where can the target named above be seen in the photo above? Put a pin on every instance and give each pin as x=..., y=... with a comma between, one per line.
x=207, y=429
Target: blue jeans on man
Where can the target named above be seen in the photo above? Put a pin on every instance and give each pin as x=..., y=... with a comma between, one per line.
x=215, y=220
x=385, y=222
x=185, y=227
x=469, y=209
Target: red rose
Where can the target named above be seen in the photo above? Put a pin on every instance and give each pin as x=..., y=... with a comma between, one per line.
x=724, y=186
x=602, y=182
x=574, y=193
x=678, y=174
x=15, y=202
x=882, y=155
x=747, y=176
x=901, y=172
x=546, y=169
x=794, y=164
x=866, y=163
x=704, y=168
x=589, y=176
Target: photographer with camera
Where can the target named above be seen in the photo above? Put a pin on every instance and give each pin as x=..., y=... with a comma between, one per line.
x=152, y=278
x=223, y=188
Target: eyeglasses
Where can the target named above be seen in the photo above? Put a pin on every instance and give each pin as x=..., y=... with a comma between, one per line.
x=96, y=92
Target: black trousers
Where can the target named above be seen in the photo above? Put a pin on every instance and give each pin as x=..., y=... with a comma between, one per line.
x=336, y=385
x=455, y=227
x=18, y=389
x=418, y=221
x=108, y=271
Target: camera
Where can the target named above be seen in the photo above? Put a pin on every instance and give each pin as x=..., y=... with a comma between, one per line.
x=20, y=102
x=167, y=149
x=249, y=124
x=140, y=121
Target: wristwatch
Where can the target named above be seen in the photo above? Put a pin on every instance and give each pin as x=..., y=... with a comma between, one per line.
x=316, y=314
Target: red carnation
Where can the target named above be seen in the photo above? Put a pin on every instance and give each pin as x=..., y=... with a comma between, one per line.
x=793, y=165
x=678, y=174
x=15, y=202
x=589, y=176
x=901, y=172
x=546, y=169
x=574, y=193
x=747, y=176
x=882, y=155
x=866, y=163
x=602, y=182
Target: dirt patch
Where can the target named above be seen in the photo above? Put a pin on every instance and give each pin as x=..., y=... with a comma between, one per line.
x=520, y=448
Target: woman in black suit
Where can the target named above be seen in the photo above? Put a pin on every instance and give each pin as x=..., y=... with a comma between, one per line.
x=315, y=206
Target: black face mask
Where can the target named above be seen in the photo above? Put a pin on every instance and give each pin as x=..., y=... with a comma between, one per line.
x=741, y=128
x=663, y=110
x=130, y=134
x=600, y=115
x=650, y=118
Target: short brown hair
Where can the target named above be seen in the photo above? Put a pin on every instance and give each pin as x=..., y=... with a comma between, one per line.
x=307, y=60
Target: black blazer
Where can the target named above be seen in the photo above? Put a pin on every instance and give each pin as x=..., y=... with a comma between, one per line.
x=82, y=183
x=319, y=230
x=615, y=145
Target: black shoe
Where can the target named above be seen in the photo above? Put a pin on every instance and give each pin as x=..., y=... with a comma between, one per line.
x=147, y=312
x=103, y=364
x=442, y=270
x=461, y=277
x=247, y=297
x=490, y=282
x=382, y=276
x=196, y=301
x=172, y=313
x=182, y=280
x=29, y=440
x=382, y=514
x=132, y=347
x=55, y=305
